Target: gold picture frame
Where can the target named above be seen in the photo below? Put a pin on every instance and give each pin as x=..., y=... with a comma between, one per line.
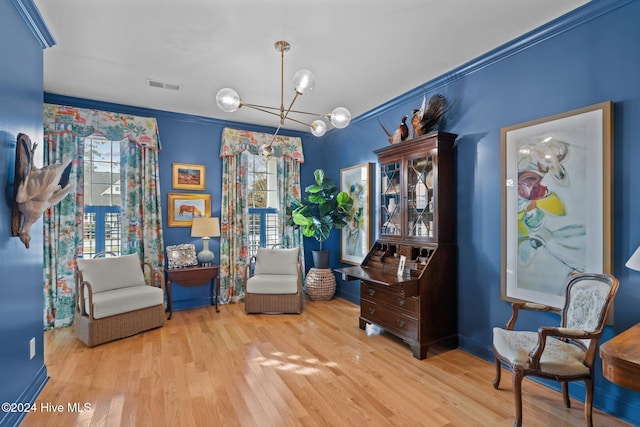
x=186, y=176
x=355, y=238
x=556, y=202
x=183, y=207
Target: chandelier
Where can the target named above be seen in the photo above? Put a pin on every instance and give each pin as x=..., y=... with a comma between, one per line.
x=304, y=80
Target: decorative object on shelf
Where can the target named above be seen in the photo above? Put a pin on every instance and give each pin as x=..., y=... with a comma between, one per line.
x=188, y=177
x=634, y=262
x=205, y=228
x=428, y=117
x=35, y=189
x=183, y=255
x=556, y=202
x=401, y=264
x=400, y=134
x=304, y=80
x=184, y=207
x=325, y=208
x=355, y=238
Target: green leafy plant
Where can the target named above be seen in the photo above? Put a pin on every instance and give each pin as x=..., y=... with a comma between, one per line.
x=324, y=208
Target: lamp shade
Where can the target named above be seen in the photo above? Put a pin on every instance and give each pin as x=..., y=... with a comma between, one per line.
x=205, y=227
x=634, y=262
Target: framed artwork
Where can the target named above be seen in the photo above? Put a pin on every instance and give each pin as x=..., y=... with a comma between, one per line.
x=183, y=207
x=188, y=177
x=556, y=202
x=355, y=238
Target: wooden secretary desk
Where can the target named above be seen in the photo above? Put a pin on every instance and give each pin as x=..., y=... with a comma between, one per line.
x=417, y=222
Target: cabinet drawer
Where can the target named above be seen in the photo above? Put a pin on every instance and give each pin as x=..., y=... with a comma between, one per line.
x=379, y=293
x=405, y=289
x=395, y=322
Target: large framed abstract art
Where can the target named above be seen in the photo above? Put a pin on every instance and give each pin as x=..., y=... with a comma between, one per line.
x=556, y=202
x=355, y=238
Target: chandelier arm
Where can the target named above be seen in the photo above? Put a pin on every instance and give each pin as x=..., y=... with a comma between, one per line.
x=310, y=113
x=256, y=106
x=284, y=115
x=299, y=122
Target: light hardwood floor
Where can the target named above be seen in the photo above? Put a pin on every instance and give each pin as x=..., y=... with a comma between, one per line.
x=315, y=369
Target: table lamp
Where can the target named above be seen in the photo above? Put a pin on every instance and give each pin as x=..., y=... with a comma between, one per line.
x=205, y=228
x=634, y=262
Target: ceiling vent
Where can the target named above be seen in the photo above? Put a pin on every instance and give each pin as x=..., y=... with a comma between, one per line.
x=162, y=85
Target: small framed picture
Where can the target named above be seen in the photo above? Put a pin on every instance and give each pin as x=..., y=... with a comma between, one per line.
x=188, y=177
x=183, y=207
x=183, y=255
x=401, y=263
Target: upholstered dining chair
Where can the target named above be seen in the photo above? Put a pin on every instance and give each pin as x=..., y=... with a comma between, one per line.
x=273, y=281
x=565, y=353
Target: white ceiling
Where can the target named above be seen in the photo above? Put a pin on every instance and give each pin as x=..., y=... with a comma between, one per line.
x=363, y=52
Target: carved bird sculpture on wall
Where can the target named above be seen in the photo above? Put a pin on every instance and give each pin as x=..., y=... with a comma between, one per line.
x=429, y=115
x=400, y=134
x=37, y=189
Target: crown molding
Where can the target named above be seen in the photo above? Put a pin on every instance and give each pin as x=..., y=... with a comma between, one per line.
x=31, y=16
x=566, y=22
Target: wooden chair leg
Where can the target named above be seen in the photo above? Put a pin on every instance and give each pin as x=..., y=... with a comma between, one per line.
x=496, y=380
x=517, y=377
x=588, y=402
x=565, y=394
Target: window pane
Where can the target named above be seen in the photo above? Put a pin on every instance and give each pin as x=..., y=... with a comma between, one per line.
x=102, y=196
x=89, y=237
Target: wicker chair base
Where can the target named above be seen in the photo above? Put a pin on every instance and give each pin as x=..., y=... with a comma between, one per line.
x=99, y=331
x=273, y=303
x=320, y=284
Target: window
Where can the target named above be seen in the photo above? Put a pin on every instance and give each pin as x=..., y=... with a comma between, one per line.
x=101, y=196
x=262, y=203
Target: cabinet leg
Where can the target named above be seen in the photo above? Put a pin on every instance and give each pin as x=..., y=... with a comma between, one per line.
x=419, y=351
x=363, y=324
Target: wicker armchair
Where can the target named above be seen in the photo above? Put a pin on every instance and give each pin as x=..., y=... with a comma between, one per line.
x=564, y=353
x=113, y=301
x=273, y=282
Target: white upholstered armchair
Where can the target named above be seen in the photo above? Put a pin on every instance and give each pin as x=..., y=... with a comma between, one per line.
x=564, y=353
x=274, y=284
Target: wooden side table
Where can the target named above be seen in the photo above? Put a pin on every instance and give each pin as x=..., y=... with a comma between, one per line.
x=621, y=358
x=194, y=276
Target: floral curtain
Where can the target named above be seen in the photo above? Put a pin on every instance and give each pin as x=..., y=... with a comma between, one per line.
x=65, y=129
x=235, y=148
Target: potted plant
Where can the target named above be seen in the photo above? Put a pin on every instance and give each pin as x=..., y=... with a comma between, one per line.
x=322, y=210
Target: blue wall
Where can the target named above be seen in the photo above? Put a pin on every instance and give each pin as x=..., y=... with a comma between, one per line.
x=21, y=299
x=584, y=58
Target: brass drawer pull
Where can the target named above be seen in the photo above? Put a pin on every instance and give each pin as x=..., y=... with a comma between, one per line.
x=372, y=310
x=401, y=323
x=372, y=292
x=401, y=302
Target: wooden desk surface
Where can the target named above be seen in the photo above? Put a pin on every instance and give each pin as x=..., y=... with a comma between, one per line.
x=621, y=358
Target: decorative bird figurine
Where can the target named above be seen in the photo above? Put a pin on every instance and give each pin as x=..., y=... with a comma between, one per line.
x=417, y=117
x=404, y=129
x=425, y=120
x=400, y=134
x=38, y=189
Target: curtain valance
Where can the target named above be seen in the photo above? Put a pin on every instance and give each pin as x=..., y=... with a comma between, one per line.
x=235, y=141
x=113, y=126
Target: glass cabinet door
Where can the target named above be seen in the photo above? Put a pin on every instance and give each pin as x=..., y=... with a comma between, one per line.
x=420, y=197
x=390, y=200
